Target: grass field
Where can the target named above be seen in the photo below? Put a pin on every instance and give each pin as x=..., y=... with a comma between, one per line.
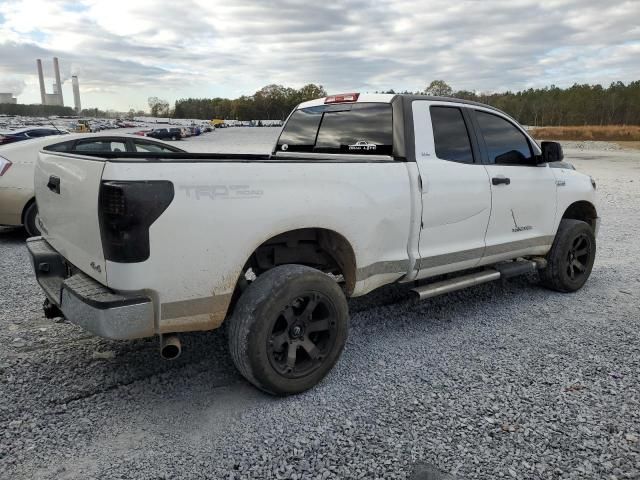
x=607, y=133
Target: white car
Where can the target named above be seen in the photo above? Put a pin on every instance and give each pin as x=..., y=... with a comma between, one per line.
x=273, y=245
x=17, y=162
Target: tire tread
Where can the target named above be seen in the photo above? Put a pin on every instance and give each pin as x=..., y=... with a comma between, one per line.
x=550, y=276
x=245, y=315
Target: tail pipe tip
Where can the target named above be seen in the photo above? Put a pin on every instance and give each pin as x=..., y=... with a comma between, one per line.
x=170, y=347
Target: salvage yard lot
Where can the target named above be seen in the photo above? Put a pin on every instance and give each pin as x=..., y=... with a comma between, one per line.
x=507, y=381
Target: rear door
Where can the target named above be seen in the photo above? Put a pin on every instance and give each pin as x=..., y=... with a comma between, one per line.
x=456, y=196
x=67, y=188
x=523, y=193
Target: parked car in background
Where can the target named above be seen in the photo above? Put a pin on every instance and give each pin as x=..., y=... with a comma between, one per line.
x=186, y=132
x=27, y=133
x=17, y=161
x=166, y=133
x=195, y=130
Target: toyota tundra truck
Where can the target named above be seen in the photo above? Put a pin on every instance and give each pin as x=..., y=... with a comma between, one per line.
x=360, y=191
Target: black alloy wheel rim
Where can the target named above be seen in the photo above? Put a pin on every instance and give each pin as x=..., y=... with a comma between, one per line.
x=302, y=335
x=578, y=257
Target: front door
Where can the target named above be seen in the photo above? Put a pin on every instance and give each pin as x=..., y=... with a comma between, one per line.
x=523, y=193
x=456, y=195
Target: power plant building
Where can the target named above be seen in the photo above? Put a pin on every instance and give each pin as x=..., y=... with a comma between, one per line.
x=54, y=98
x=76, y=94
x=8, y=98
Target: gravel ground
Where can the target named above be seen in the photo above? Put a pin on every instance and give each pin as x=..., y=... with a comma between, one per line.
x=499, y=381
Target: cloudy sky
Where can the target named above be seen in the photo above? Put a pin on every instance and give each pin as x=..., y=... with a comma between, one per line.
x=126, y=51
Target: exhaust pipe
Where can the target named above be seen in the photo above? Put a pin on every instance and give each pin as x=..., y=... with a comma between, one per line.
x=170, y=347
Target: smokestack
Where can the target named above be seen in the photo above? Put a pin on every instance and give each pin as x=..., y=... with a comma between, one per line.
x=41, y=78
x=76, y=93
x=56, y=69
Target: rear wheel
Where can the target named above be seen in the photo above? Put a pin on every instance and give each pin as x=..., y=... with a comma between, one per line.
x=31, y=220
x=174, y=138
x=570, y=260
x=288, y=329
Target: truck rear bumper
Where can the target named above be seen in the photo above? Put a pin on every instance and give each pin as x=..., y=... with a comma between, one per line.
x=87, y=303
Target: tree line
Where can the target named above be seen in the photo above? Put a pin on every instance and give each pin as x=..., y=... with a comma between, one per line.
x=580, y=104
x=35, y=110
x=273, y=102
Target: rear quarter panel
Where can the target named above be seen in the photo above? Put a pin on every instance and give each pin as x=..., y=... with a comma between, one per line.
x=222, y=211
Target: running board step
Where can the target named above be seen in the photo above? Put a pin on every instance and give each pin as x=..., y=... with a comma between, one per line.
x=504, y=270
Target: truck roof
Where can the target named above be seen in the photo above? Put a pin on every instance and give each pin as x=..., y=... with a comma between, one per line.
x=389, y=97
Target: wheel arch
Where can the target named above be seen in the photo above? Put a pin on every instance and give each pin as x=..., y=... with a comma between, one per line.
x=582, y=210
x=321, y=248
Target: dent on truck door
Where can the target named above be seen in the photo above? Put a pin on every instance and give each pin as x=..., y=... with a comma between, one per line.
x=456, y=197
x=523, y=194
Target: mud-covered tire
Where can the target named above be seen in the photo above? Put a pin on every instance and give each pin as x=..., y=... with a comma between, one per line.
x=282, y=315
x=31, y=220
x=570, y=260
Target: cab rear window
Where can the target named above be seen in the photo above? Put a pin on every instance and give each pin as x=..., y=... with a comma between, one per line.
x=60, y=147
x=355, y=128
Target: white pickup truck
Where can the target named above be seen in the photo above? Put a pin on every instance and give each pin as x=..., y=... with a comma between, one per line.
x=360, y=191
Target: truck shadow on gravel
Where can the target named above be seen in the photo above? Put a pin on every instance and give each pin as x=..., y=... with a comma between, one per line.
x=13, y=235
x=73, y=365
x=89, y=365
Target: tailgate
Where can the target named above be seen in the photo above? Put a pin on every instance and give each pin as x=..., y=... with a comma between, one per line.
x=67, y=189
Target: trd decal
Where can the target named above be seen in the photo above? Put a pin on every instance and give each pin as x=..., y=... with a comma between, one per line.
x=221, y=192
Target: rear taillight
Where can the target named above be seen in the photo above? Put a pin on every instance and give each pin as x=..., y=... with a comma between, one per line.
x=5, y=163
x=343, y=97
x=127, y=210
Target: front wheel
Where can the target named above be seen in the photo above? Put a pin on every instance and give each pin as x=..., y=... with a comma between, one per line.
x=288, y=329
x=570, y=260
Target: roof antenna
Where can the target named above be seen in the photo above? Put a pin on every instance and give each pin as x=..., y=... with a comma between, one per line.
x=52, y=124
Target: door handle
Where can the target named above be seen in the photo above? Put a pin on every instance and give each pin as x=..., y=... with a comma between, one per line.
x=499, y=180
x=54, y=184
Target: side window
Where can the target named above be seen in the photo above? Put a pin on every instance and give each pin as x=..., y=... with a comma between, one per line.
x=505, y=143
x=450, y=135
x=355, y=128
x=148, y=147
x=37, y=133
x=96, y=146
x=60, y=147
x=299, y=134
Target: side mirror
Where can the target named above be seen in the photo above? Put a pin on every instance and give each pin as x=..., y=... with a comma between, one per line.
x=551, y=152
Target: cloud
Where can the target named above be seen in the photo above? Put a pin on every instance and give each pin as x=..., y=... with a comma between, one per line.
x=125, y=49
x=12, y=85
